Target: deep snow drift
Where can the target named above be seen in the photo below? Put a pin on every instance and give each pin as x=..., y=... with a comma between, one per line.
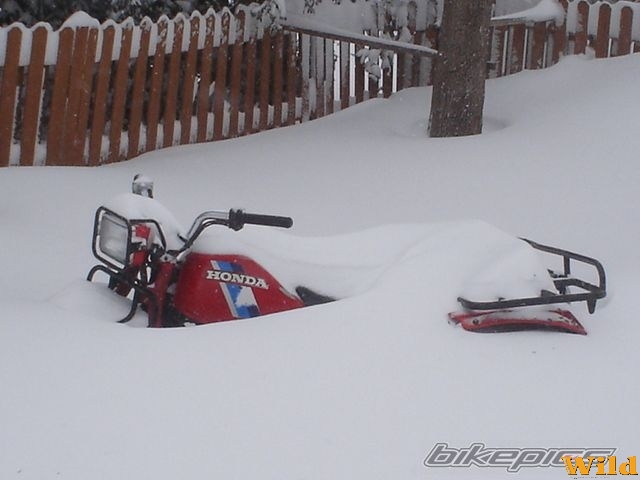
x=365, y=387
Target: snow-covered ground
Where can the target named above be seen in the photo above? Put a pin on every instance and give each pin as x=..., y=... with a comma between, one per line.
x=365, y=387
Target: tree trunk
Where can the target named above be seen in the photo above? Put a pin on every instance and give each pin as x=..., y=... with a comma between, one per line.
x=460, y=70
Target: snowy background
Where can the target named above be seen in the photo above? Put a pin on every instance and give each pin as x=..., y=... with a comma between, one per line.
x=362, y=388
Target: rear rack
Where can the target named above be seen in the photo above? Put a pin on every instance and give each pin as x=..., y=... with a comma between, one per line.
x=590, y=293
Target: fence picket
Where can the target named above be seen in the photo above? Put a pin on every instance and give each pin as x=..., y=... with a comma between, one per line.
x=496, y=50
x=305, y=56
x=345, y=75
x=137, y=92
x=582, y=24
x=406, y=61
x=602, y=35
x=622, y=45
x=173, y=84
x=387, y=81
x=372, y=85
x=81, y=79
x=221, y=78
x=120, y=97
x=236, y=75
x=82, y=133
x=278, y=83
x=426, y=63
x=318, y=43
x=359, y=76
x=515, y=52
x=205, y=79
x=101, y=97
x=538, y=34
x=8, y=94
x=35, y=78
x=292, y=76
x=69, y=134
x=559, y=37
x=418, y=39
x=188, y=82
x=550, y=47
x=155, y=93
x=252, y=51
x=59, y=100
x=265, y=80
x=403, y=77
x=329, y=66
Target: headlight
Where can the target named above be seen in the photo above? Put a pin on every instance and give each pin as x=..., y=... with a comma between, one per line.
x=120, y=242
x=114, y=238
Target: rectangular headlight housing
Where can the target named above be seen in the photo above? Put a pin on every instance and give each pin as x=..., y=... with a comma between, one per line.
x=112, y=238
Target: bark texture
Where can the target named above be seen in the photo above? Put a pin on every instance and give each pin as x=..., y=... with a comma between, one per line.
x=460, y=70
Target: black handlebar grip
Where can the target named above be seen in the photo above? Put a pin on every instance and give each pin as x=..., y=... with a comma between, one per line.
x=240, y=218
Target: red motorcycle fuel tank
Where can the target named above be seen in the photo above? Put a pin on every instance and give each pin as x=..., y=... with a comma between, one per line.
x=215, y=288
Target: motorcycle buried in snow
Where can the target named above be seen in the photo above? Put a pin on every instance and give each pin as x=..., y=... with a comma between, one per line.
x=180, y=277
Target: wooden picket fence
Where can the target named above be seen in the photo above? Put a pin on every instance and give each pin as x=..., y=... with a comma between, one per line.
x=101, y=94
x=606, y=28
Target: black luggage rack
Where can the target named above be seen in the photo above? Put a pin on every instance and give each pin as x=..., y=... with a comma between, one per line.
x=589, y=293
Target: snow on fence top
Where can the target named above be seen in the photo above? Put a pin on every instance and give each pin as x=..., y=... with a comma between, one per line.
x=82, y=20
x=544, y=11
x=354, y=16
x=303, y=24
x=367, y=15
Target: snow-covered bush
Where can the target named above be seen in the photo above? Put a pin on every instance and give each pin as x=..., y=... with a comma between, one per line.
x=270, y=14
